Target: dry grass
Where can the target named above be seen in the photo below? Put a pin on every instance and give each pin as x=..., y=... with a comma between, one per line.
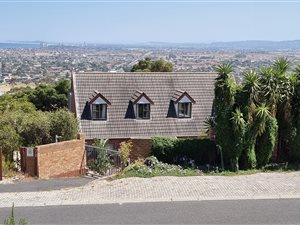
x=8, y=87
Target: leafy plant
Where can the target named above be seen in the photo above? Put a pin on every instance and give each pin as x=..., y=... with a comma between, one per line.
x=12, y=221
x=102, y=162
x=151, y=167
x=170, y=150
x=125, y=149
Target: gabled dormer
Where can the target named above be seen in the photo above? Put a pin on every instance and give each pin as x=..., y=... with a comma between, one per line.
x=142, y=105
x=183, y=104
x=98, y=104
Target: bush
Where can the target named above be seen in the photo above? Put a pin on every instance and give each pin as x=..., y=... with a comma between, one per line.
x=12, y=221
x=152, y=167
x=295, y=150
x=170, y=150
x=164, y=148
x=266, y=142
x=102, y=162
x=63, y=123
x=19, y=128
x=10, y=141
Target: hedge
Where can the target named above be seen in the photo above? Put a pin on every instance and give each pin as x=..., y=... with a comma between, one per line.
x=169, y=150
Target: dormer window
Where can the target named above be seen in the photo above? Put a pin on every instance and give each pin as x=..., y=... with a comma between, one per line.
x=184, y=110
x=98, y=105
x=99, y=111
x=142, y=105
x=143, y=111
x=183, y=104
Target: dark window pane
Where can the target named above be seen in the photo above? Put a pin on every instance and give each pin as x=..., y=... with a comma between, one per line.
x=99, y=111
x=143, y=111
x=184, y=110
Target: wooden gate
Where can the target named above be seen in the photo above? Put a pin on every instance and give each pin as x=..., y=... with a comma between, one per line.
x=28, y=161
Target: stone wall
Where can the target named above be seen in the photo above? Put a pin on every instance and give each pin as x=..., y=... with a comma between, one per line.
x=62, y=159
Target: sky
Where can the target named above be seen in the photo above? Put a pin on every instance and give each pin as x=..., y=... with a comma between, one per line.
x=135, y=21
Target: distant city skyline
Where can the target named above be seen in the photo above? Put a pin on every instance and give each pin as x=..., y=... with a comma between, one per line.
x=128, y=22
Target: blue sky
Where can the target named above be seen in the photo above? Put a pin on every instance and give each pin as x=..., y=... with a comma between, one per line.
x=144, y=21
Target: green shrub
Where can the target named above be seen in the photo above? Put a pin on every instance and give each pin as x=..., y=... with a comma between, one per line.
x=63, y=123
x=126, y=148
x=164, y=148
x=102, y=162
x=266, y=143
x=170, y=150
x=155, y=168
x=295, y=150
x=12, y=221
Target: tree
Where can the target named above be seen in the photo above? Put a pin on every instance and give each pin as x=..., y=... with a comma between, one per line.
x=266, y=142
x=10, y=141
x=63, y=123
x=225, y=88
x=148, y=65
x=10, y=104
x=46, y=98
x=249, y=139
x=35, y=129
x=239, y=129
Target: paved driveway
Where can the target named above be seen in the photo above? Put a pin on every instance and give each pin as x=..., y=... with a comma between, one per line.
x=44, y=185
x=256, y=186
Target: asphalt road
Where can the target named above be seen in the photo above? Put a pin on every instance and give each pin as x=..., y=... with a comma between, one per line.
x=44, y=185
x=284, y=211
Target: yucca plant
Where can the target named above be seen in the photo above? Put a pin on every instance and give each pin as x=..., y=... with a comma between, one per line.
x=12, y=221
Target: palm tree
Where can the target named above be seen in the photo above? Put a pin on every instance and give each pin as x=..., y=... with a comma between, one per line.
x=253, y=130
x=239, y=128
x=225, y=88
x=250, y=92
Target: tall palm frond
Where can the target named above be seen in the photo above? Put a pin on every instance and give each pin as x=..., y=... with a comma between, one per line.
x=224, y=70
x=238, y=120
x=281, y=65
x=251, y=85
x=297, y=70
x=262, y=115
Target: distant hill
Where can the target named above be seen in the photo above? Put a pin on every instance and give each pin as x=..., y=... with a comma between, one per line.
x=253, y=45
x=235, y=45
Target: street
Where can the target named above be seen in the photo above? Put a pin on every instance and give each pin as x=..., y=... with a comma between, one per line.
x=276, y=211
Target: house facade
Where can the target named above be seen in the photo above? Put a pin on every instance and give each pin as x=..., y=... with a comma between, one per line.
x=139, y=106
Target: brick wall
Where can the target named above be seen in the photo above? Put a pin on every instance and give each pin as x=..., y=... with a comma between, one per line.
x=62, y=159
x=141, y=147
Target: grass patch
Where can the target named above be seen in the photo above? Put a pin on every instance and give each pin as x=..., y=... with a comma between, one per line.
x=230, y=173
x=151, y=167
x=281, y=167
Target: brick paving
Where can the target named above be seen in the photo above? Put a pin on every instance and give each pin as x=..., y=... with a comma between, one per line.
x=256, y=186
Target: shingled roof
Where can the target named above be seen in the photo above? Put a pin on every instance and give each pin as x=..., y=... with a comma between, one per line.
x=138, y=95
x=119, y=89
x=96, y=94
x=179, y=94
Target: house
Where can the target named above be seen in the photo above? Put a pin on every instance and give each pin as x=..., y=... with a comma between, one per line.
x=138, y=106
